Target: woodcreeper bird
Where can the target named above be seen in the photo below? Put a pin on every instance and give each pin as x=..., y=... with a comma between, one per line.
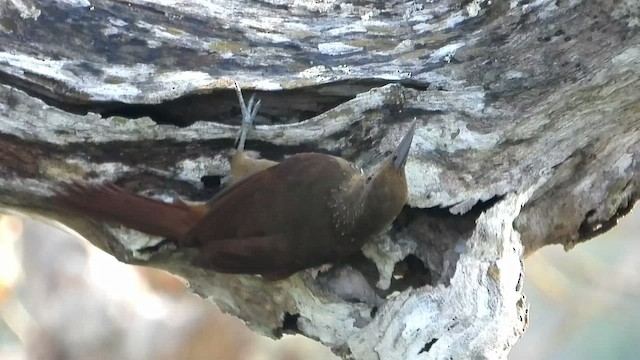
x=274, y=219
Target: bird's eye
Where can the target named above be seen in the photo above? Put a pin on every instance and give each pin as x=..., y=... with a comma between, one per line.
x=369, y=178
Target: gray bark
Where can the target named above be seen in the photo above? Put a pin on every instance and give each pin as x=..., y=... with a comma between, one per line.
x=528, y=135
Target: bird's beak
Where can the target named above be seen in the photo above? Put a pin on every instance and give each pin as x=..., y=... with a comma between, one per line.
x=401, y=153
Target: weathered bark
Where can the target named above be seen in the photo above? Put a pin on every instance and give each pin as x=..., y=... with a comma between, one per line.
x=528, y=134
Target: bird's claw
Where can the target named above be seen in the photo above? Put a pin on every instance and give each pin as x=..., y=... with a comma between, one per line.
x=249, y=111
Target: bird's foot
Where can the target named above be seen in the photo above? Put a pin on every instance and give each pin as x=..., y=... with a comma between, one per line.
x=249, y=111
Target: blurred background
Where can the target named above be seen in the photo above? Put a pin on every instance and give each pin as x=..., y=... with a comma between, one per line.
x=61, y=298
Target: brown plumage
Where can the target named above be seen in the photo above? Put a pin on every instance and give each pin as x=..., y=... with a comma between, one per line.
x=306, y=211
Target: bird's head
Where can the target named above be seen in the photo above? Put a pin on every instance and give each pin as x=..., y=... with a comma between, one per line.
x=387, y=186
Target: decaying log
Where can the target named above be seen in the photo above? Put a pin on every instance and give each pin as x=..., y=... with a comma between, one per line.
x=528, y=135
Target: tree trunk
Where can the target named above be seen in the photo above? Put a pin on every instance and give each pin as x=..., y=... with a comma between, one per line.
x=528, y=135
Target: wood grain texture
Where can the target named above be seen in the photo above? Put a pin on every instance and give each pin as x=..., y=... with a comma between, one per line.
x=528, y=133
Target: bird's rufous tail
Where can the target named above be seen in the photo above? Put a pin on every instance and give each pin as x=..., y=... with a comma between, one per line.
x=111, y=203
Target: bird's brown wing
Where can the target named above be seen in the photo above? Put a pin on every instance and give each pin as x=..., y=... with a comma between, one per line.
x=237, y=234
x=227, y=211
x=275, y=222
x=247, y=256
x=266, y=202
